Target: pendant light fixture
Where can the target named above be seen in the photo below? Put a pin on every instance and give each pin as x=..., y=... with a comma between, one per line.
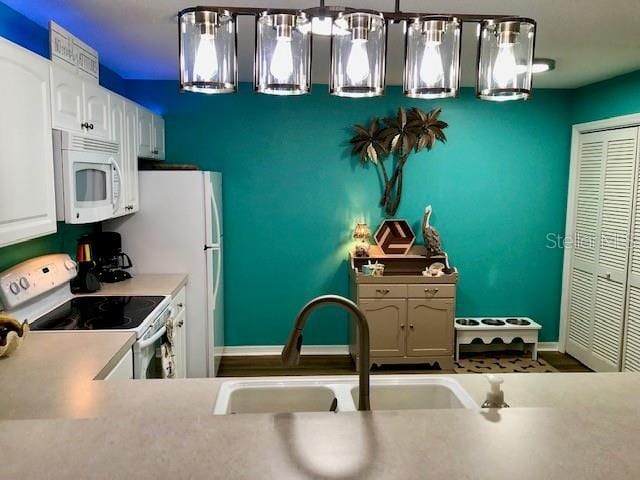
x=283, y=54
x=358, y=50
x=505, y=58
x=432, y=57
x=207, y=45
x=283, y=44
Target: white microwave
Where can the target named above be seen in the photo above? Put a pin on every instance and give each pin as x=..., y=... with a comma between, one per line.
x=88, y=178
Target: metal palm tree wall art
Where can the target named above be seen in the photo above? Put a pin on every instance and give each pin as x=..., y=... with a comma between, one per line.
x=408, y=132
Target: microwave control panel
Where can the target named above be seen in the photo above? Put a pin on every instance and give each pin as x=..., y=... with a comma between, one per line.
x=32, y=278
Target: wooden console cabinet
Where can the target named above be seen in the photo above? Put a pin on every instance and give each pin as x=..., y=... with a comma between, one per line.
x=411, y=317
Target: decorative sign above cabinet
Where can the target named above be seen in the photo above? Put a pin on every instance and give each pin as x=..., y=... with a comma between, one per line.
x=72, y=52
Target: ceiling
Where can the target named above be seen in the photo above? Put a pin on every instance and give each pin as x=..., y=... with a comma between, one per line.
x=591, y=40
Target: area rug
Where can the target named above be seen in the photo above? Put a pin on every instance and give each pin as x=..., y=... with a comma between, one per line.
x=502, y=365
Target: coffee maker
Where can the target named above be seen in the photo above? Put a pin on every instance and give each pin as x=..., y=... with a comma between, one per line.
x=111, y=261
x=87, y=279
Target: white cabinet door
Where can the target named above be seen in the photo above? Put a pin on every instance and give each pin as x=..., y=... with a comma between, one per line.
x=96, y=110
x=67, y=102
x=123, y=370
x=180, y=344
x=145, y=133
x=118, y=135
x=131, y=153
x=27, y=199
x=158, y=138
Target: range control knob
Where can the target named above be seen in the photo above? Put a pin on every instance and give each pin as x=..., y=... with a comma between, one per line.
x=24, y=283
x=70, y=265
x=15, y=288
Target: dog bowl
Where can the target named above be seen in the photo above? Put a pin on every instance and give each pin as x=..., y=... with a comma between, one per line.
x=518, y=321
x=467, y=322
x=493, y=322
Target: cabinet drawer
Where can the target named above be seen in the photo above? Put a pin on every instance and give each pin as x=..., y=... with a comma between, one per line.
x=432, y=291
x=179, y=302
x=382, y=291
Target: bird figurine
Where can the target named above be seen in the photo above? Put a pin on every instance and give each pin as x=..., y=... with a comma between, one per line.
x=430, y=234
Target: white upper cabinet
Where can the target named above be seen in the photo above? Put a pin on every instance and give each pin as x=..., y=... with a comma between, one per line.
x=131, y=153
x=68, y=105
x=158, y=150
x=79, y=105
x=96, y=109
x=145, y=133
x=123, y=132
x=150, y=135
x=118, y=135
x=27, y=198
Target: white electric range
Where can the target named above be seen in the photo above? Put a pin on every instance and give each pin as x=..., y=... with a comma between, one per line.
x=38, y=291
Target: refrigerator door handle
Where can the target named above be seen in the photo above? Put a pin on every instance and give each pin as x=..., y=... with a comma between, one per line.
x=212, y=218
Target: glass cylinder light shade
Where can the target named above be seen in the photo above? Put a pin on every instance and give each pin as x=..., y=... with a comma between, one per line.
x=505, y=57
x=208, y=62
x=432, y=57
x=358, y=49
x=283, y=54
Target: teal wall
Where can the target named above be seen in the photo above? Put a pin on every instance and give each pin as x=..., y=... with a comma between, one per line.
x=610, y=98
x=24, y=32
x=293, y=193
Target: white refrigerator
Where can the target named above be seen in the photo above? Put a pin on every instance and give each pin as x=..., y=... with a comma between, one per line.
x=179, y=230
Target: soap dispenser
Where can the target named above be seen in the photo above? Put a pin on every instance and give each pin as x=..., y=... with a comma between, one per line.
x=495, y=396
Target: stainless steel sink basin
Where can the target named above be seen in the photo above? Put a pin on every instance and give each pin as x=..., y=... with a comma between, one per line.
x=428, y=393
x=283, y=395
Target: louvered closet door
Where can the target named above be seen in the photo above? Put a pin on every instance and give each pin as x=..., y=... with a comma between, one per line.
x=631, y=360
x=603, y=206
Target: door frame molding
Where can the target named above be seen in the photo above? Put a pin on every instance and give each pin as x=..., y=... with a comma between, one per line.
x=622, y=121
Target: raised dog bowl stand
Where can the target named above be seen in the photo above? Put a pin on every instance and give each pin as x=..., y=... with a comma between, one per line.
x=488, y=329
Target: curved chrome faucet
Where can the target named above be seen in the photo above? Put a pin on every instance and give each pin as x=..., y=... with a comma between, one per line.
x=291, y=351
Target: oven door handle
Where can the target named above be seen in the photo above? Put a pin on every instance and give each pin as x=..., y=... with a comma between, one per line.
x=154, y=337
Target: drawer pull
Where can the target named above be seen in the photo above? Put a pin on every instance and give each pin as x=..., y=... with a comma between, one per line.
x=382, y=291
x=431, y=291
x=411, y=326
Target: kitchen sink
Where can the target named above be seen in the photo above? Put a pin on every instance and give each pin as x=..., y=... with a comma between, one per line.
x=340, y=394
x=416, y=394
x=273, y=397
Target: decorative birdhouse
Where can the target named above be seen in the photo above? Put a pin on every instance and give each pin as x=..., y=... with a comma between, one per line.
x=395, y=237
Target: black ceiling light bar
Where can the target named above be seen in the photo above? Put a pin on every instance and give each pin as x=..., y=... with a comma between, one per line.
x=208, y=51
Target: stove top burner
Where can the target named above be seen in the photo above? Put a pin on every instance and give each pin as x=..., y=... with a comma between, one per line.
x=98, y=313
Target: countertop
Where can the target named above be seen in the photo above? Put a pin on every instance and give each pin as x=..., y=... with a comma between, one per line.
x=56, y=421
x=517, y=443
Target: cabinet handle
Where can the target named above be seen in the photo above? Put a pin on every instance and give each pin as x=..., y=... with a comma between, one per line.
x=411, y=326
x=382, y=291
x=180, y=305
x=431, y=291
x=156, y=152
x=91, y=126
x=402, y=327
x=180, y=323
x=85, y=125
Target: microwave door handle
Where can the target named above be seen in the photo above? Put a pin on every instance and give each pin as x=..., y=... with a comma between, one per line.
x=153, y=338
x=117, y=203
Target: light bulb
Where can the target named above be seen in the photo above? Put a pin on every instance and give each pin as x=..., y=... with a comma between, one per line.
x=205, y=66
x=282, y=61
x=431, y=70
x=505, y=71
x=358, y=62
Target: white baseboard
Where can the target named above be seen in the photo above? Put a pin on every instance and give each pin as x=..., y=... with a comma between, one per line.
x=263, y=350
